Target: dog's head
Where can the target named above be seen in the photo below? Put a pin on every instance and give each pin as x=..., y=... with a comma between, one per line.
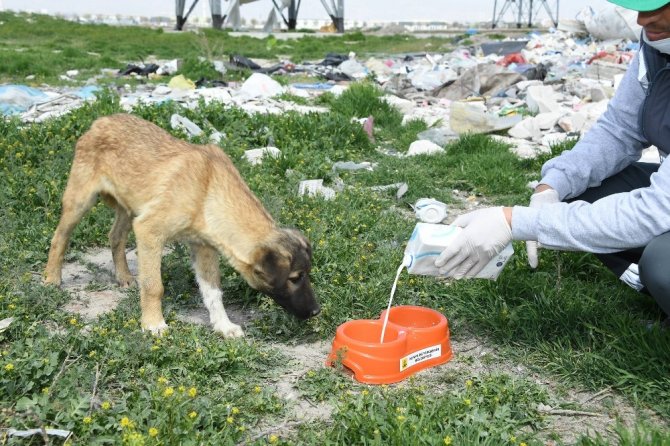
x=281, y=270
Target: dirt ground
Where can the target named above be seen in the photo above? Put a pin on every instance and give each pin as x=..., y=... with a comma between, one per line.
x=90, y=281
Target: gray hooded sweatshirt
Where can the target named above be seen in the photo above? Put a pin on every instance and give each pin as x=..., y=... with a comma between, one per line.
x=614, y=223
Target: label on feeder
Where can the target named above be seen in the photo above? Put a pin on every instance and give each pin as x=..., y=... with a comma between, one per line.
x=425, y=354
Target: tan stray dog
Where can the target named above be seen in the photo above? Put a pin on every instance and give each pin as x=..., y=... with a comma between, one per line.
x=167, y=189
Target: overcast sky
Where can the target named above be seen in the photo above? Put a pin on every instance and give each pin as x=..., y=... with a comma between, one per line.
x=442, y=10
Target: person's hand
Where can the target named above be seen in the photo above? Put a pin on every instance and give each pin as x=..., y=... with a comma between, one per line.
x=541, y=197
x=485, y=233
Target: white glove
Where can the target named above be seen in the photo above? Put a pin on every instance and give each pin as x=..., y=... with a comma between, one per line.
x=537, y=200
x=485, y=233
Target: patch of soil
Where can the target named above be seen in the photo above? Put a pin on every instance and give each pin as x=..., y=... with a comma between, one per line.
x=91, y=283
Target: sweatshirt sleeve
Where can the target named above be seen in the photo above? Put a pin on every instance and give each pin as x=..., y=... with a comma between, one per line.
x=614, y=223
x=614, y=142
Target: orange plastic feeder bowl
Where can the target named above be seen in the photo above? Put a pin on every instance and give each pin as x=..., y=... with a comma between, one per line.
x=416, y=338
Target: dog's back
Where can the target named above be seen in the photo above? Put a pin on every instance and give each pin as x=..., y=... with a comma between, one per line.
x=135, y=161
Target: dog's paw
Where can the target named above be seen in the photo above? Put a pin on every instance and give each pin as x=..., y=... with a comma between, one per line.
x=50, y=280
x=125, y=281
x=229, y=330
x=155, y=329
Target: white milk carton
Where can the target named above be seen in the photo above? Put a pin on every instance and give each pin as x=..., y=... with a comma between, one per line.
x=429, y=240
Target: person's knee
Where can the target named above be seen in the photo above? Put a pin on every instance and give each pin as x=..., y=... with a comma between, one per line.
x=654, y=274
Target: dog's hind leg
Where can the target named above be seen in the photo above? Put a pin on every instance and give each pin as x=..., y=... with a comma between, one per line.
x=79, y=196
x=149, y=253
x=207, y=274
x=118, y=236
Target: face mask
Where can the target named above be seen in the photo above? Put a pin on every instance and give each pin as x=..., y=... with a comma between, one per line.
x=662, y=45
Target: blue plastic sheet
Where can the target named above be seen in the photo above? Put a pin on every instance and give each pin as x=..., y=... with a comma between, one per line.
x=19, y=98
x=313, y=86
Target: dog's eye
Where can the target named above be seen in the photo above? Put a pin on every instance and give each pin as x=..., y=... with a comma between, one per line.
x=298, y=278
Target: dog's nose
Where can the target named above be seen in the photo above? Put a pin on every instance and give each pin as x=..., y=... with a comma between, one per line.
x=315, y=311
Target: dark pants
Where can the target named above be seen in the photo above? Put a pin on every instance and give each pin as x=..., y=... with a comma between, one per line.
x=654, y=259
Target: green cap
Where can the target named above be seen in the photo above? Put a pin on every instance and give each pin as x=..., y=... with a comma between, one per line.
x=640, y=5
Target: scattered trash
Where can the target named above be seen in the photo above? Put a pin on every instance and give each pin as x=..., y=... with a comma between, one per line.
x=350, y=165
x=611, y=22
x=423, y=147
x=368, y=127
x=429, y=78
x=179, y=82
x=503, y=48
x=42, y=432
x=244, y=62
x=402, y=189
x=255, y=156
x=169, y=68
x=146, y=70
x=430, y=210
x=259, y=85
x=314, y=188
x=438, y=135
x=5, y=323
x=473, y=117
x=19, y=98
x=353, y=69
x=185, y=124
x=313, y=86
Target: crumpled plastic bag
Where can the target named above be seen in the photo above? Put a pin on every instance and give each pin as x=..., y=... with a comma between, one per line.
x=19, y=98
x=181, y=83
x=260, y=85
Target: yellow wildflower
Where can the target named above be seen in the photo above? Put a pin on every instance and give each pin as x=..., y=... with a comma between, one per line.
x=230, y=420
x=235, y=410
x=273, y=439
x=192, y=392
x=9, y=367
x=447, y=440
x=153, y=432
x=106, y=405
x=193, y=414
x=167, y=393
x=87, y=420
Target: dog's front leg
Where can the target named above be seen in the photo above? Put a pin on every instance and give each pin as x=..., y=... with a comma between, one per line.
x=149, y=252
x=207, y=274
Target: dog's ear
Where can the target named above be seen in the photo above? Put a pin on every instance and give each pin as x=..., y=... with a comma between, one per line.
x=273, y=267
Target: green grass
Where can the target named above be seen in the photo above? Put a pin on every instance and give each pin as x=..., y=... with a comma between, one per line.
x=60, y=46
x=570, y=321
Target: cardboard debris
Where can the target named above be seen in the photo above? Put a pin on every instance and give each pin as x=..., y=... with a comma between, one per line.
x=256, y=156
x=315, y=188
x=5, y=323
x=41, y=432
